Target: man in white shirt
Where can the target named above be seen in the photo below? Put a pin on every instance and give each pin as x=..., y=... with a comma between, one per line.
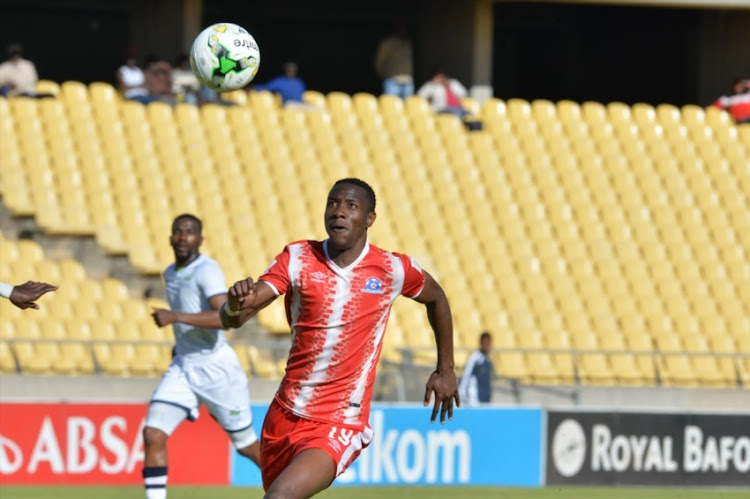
x=205, y=368
x=18, y=76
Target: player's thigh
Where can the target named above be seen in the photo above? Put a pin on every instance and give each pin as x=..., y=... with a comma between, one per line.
x=228, y=401
x=172, y=402
x=311, y=471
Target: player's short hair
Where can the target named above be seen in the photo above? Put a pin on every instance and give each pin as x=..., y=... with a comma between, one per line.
x=485, y=335
x=364, y=185
x=192, y=217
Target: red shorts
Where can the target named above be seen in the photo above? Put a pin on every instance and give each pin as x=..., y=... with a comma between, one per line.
x=285, y=435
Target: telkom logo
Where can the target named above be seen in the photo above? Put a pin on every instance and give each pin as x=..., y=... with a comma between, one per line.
x=411, y=456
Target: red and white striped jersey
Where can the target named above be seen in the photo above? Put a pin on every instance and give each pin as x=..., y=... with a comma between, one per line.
x=338, y=317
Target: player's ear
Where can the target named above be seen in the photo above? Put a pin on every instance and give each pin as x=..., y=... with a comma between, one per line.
x=371, y=218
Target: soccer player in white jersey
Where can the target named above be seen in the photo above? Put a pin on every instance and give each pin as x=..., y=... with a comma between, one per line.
x=338, y=294
x=205, y=368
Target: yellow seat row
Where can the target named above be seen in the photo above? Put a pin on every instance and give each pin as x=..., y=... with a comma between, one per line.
x=554, y=216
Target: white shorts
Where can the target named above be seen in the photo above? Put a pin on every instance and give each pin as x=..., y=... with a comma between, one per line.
x=215, y=379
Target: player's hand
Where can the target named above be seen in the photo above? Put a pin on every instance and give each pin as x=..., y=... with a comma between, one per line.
x=241, y=295
x=443, y=384
x=25, y=295
x=163, y=317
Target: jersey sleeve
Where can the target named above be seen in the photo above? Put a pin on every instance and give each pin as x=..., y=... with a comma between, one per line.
x=413, y=277
x=211, y=280
x=277, y=274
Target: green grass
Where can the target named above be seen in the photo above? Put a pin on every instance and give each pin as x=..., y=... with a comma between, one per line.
x=178, y=492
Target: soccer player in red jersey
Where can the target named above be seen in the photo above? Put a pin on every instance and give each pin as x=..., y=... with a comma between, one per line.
x=338, y=295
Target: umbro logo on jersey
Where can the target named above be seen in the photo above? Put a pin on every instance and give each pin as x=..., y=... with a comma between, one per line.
x=318, y=276
x=374, y=286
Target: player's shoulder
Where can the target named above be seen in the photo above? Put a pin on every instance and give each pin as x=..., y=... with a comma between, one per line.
x=394, y=255
x=207, y=264
x=305, y=245
x=170, y=270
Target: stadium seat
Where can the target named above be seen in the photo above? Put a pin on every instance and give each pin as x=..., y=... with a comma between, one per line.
x=36, y=358
x=7, y=360
x=637, y=211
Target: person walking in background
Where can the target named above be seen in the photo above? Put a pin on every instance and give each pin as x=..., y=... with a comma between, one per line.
x=25, y=295
x=204, y=369
x=476, y=382
x=394, y=62
x=339, y=293
x=289, y=85
x=737, y=104
x=18, y=76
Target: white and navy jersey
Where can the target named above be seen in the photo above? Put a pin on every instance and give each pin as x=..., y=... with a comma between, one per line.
x=189, y=290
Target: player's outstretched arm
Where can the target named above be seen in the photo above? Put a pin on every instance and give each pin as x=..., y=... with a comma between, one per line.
x=209, y=319
x=245, y=299
x=25, y=295
x=442, y=381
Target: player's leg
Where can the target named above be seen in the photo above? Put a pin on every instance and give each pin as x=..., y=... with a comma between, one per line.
x=251, y=452
x=171, y=403
x=302, y=457
x=227, y=397
x=310, y=472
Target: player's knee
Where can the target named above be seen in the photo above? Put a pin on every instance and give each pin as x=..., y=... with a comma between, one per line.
x=154, y=437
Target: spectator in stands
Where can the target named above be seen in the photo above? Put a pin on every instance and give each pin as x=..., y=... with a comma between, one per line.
x=25, y=295
x=18, y=76
x=185, y=85
x=394, y=62
x=130, y=78
x=158, y=80
x=737, y=104
x=289, y=86
x=444, y=95
x=205, y=368
x=476, y=383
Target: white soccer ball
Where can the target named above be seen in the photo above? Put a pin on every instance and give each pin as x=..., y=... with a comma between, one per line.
x=224, y=57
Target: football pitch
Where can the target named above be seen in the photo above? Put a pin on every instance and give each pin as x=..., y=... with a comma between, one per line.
x=182, y=492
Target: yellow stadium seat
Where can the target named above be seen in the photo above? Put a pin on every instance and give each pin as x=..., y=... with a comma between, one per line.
x=314, y=98
x=339, y=103
x=36, y=358
x=148, y=360
x=115, y=359
x=243, y=357
x=48, y=87
x=568, y=111
x=7, y=360
x=77, y=329
x=594, y=113
x=643, y=115
x=261, y=363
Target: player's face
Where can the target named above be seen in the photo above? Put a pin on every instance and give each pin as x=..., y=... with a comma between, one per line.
x=185, y=239
x=485, y=344
x=348, y=216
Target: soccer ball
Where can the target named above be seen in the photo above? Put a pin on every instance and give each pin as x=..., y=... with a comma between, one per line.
x=224, y=57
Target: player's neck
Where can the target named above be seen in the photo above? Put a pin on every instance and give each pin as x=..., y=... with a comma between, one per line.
x=343, y=257
x=181, y=263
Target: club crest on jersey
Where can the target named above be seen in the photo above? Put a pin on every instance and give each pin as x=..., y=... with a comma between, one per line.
x=374, y=286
